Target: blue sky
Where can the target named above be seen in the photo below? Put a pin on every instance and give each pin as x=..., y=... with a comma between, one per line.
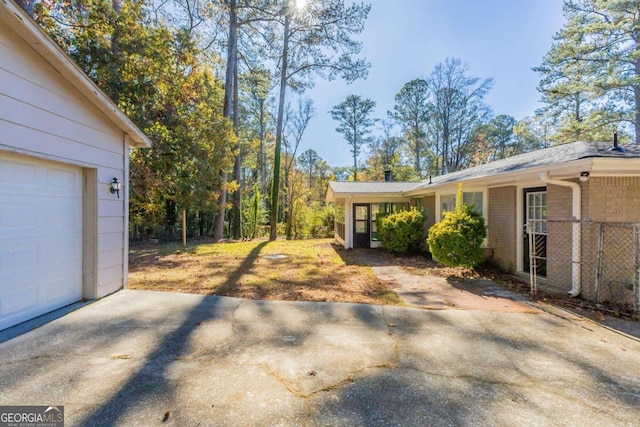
x=405, y=39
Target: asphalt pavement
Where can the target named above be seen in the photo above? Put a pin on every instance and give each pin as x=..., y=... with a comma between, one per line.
x=151, y=358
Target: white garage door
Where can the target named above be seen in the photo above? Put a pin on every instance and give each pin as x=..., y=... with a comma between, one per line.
x=40, y=237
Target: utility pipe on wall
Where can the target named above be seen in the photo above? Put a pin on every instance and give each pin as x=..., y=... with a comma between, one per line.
x=576, y=212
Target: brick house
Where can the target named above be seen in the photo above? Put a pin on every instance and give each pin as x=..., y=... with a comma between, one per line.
x=559, y=194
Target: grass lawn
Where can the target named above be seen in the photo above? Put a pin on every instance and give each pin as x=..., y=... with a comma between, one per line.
x=294, y=270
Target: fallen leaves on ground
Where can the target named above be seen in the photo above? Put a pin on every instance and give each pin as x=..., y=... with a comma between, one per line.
x=289, y=270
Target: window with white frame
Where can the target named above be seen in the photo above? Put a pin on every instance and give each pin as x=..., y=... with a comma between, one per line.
x=471, y=198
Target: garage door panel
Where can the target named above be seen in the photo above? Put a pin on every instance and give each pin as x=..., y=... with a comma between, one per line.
x=40, y=237
x=59, y=292
x=17, y=216
x=28, y=217
x=15, y=174
x=60, y=215
x=62, y=252
x=17, y=260
x=63, y=182
x=20, y=304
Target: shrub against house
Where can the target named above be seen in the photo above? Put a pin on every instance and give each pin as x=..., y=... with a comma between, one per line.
x=401, y=232
x=548, y=213
x=457, y=239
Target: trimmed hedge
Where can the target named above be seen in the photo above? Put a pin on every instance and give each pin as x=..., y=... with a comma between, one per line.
x=401, y=232
x=457, y=239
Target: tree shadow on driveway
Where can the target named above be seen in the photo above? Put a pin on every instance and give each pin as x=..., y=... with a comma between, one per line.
x=225, y=361
x=144, y=385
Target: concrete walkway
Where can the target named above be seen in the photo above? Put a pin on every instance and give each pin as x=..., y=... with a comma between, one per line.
x=150, y=358
x=438, y=293
x=433, y=292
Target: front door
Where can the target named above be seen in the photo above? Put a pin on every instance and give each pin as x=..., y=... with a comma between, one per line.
x=361, y=229
x=535, y=226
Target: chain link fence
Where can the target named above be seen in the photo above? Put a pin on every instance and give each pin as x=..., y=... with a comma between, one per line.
x=602, y=258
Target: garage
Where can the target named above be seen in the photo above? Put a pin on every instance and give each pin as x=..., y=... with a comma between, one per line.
x=64, y=169
x=40, y=237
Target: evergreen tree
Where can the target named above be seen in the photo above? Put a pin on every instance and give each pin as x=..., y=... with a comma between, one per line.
x=411, y=112
x=355, y=123
x=590, y=77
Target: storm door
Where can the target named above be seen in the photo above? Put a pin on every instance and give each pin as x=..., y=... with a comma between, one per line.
x=535, y=227
x=361, y=226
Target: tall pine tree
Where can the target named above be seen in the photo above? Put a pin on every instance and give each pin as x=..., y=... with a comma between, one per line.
x=590, y=77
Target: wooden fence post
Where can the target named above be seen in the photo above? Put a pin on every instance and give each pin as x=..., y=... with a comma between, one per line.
x=184, y=228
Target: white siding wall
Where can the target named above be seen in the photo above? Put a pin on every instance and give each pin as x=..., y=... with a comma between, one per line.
x=348, y=224
x=44, y=116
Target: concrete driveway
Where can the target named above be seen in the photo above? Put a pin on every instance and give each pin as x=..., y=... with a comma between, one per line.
x=148, y=358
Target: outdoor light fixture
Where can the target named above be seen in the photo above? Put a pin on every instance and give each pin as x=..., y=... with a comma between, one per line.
x=584, y=176
x=116, y=187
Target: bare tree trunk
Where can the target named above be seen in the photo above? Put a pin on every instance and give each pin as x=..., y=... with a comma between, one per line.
x=355, y=154
x=418, y=165
x=355, y=166
x=275, y=187
x=232, y=50
x=236, y=209
x=255, y=214
x=114, y=63
x=290, y=218
x=288, y=204
x=262, y=161
x=218, y=222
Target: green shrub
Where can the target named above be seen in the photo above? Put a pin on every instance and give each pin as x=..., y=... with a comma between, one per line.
x=457, y=239
x=315, y=220
x=401, y=232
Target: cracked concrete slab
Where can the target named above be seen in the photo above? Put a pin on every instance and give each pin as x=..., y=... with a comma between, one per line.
x=421, y=289
x=439, y=293
x=150, y=358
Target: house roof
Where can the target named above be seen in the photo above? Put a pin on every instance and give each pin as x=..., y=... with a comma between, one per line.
x=14, y=17
x=556, y=155
x=338, y=189
x=370, y=187
x=553, y=157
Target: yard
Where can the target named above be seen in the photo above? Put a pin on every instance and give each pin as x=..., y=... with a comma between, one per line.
x=295, y=270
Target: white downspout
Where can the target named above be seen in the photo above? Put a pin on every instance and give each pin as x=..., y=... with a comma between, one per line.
x=576, y=212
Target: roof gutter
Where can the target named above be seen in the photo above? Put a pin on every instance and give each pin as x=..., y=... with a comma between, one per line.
x=576, y=212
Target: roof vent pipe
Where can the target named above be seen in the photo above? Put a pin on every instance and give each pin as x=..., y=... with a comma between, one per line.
x=616, y=147
x=387, y=175
x=576, y=212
